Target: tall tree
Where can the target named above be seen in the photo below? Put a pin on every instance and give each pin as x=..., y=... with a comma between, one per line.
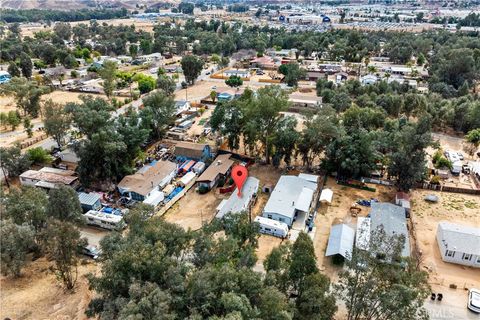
x=408, y=159
x=27, y=205
x=13, y=70
x=292, y=73
x=303, y=260
x=63, y=241
x=63, y=30
x=57, y=121
x=108, y=73
x=27, y=94
x=387, y=288
x=166, y=84
x=64, y=205
x=26, y=65
x=192, y=67
x=17, y=240
x=158, y=113
x=14, y=162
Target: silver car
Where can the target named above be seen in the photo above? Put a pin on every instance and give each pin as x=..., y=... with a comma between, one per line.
x=474, y=300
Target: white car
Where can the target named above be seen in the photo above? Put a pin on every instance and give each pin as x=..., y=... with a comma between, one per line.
x=474, y=300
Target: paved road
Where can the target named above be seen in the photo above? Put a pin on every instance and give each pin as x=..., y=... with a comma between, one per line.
x=445, y=310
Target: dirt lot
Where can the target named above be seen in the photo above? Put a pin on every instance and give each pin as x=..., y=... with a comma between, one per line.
x=194, y=209
x=343, y=198
x=38, y=295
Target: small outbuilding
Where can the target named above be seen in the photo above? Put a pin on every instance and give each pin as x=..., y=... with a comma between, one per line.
x=340, y=241
x=326, y=196
x=89, y=201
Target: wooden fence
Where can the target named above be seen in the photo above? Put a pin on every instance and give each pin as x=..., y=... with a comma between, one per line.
x=438, y=187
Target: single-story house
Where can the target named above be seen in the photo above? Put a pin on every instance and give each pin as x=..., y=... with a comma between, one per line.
x=236, y=72
x=49, y=178
x=181, y=106
x=191, y=150
x=89, y=201
x=314, y=75
x=459, y=243
x=264, y=62
x=224, y=96
x=220, y=167
x=140, y=185
x=398, y=70
x=368, y=79
x=237, y=204
x=290, y=200
x=394, y=222
x=299, y=100
x=340, y=241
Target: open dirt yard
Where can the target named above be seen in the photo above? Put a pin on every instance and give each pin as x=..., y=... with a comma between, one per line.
x=37, y=295
x=455, y=208
x=343, y=198
x=194, y=209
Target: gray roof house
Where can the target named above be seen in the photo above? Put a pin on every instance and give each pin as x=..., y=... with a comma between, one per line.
x=393, y=220
x=459, y=243
x=340, y=241
x=291, y=197
x=236, y=204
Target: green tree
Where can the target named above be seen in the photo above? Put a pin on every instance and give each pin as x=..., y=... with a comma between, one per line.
x=292, y=73
x=145, y=83
x=192, y=67
x=57, y=121
x=133, y=50
x=314, y=301
x=26, y=65
x=27, y=205
x=213, y=95
x=64, y=205
x=234, y=81
x=408, y=159
x=28, y=126
x=303, y=260
x=63, y=30
x=158, y=113
x=166, y=84
x=39, y=156
x=63, y=241
x=13, y=161
x=285, y=140
x=27, y=94
x=13, y=119
x=108, y=74
x=17, y=241
x=473, y=138
x=13, y=70
x=374, y=292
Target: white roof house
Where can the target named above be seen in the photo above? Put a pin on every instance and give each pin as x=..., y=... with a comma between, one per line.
x=291, y=195
x=459, y=243
x=340, y=241
x=369, y=79
x=236, y=203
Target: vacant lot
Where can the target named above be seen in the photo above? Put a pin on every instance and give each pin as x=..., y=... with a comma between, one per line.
x=37, y=295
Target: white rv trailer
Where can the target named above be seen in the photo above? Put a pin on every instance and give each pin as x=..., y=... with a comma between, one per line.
x=272, y=227
x=104, y=220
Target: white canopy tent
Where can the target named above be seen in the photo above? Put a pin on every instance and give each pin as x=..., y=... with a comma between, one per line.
x=326, y=196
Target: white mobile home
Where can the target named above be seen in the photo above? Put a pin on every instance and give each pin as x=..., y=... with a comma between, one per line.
x=272, y=227
x=459, y=244
x=104, y=220
x=291, y=200
x=236, y=203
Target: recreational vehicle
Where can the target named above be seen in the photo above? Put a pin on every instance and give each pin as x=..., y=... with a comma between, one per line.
x=104, y=220
x=272, y=227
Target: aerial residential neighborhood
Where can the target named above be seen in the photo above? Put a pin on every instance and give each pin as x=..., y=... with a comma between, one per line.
x=220, y=159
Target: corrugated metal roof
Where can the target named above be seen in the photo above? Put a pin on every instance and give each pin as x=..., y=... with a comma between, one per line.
x=459, y=237
x=88, y=198
x=340, y=241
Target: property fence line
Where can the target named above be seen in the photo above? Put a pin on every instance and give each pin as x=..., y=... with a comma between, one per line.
x=384, y=182
x=438, y=187
x=174, y=200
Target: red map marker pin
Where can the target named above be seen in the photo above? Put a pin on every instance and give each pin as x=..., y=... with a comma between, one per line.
x=239, y=175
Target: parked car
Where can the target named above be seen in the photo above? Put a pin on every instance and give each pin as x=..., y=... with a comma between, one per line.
x=91, y=251
x=474, y=300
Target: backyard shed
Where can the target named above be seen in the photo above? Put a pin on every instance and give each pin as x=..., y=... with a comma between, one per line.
x=340, y=241
x=326, y=196
x=89, y=201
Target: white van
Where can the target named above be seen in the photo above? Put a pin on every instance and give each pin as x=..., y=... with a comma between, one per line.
x=104, y=220
x=272, y=227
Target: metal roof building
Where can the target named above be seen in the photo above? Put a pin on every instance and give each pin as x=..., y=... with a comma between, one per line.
x=236, y=204
x=291, y=195
x=340, y=241
x=459, y=243
x=393, y=220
